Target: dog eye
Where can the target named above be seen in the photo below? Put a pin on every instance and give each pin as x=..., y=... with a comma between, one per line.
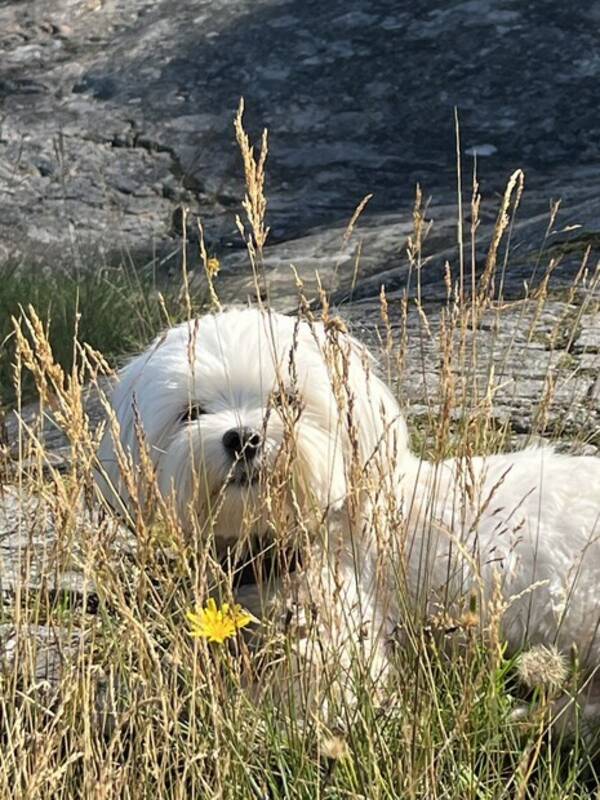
x=192, y=413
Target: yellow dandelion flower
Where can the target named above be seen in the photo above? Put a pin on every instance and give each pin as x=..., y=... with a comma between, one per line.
x=213, y=265
x=217, y=624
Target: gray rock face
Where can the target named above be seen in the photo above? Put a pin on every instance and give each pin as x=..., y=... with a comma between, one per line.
x=115, y=113
x=535, y=371
x=39, y=654
x=29, y=546
x=41, y=550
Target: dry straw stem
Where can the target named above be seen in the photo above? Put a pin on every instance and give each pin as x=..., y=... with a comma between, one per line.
x=255, y=201
x=211, y=270
x=346, y=237
x=514, y=187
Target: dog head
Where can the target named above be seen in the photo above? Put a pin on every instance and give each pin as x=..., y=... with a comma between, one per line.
x=225, y=406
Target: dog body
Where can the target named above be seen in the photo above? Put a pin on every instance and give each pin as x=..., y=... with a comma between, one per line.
x=525, y=525
x=247, y=415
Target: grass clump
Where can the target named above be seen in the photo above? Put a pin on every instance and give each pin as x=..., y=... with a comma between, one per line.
x=116, y=310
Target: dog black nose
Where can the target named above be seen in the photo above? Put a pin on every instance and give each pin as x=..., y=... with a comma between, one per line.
x=242, y=443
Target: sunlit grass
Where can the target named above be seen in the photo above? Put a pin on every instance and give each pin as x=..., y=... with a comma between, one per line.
x=104, y=692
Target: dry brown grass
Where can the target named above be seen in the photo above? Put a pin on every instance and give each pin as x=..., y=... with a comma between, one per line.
x=104, y=694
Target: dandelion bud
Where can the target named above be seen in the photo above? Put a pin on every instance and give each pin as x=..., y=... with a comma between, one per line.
x=335, y=748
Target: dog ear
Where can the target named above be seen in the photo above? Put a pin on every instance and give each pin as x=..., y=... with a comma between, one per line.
x=381, y=425
x=373, y=411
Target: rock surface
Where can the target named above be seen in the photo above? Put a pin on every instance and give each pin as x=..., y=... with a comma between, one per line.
x=113, y=114
x=46, y=547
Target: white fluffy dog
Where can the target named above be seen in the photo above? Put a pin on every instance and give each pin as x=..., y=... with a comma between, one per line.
x=257, y=424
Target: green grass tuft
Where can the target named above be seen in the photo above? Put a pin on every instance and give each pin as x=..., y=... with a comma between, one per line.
x=116, y=310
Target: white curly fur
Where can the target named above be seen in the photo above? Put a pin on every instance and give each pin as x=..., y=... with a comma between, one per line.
x=520, y=529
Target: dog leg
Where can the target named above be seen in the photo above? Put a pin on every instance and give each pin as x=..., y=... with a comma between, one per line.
x=334, y=644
